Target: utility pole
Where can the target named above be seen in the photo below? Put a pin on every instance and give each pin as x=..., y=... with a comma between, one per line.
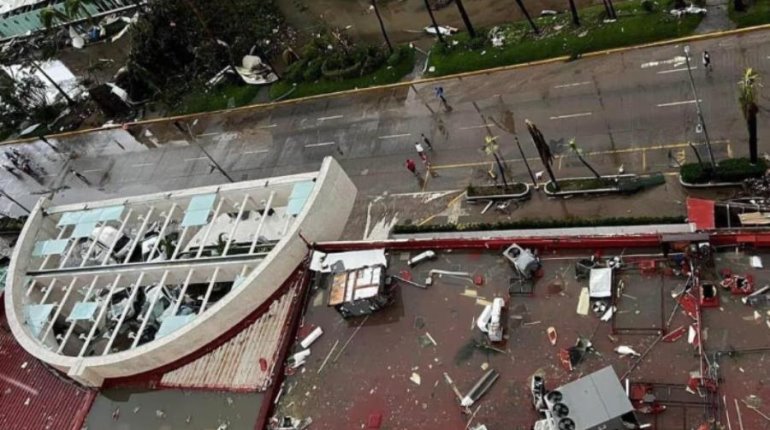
x=701, y=121
x=382, y=25
x=435, y=24
x=4, y=194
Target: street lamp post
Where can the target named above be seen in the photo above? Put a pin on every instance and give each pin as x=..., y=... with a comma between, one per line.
x=701, y=121
x=4, y=194
x=194, y=139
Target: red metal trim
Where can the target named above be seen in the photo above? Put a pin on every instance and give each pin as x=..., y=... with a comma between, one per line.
x=82, y=414
x=287, y=340
x=760, y=239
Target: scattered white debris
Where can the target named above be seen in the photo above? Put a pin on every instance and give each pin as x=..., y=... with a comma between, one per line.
x=24, y=365
x=415, y=378
x=756, y=262
x=310, y=338
x=626, y=350
x=159, y=413
x=26, y=402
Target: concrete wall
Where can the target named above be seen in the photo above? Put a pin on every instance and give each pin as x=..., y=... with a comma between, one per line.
x=322, y=219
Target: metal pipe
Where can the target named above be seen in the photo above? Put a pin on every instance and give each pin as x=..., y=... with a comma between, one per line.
x=153, y=302
x=162, y=230
x=139, y=235
x=261, y=222
x=102, y=311
x=179, y=243
x=74, y=323
x=698, y=107
x=208, y=291
x=210, y=227
x=234, y=229
x=123, y=314
x=117, y=237
x=48, y=291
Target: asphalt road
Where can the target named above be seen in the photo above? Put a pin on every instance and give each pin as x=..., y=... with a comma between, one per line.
x=634, y=109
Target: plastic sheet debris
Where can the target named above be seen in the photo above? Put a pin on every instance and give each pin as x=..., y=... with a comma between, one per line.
x=415, y=377
x=552, y=336
x=756, y=262
x=322, y=262
x=584, y=302
x=689, y=10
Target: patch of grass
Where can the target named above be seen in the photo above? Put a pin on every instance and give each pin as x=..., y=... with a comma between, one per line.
x=224, y=96
x=731, y=170
x=558, y=38
x=494, y=190
x=387, y=74
x=756, y=13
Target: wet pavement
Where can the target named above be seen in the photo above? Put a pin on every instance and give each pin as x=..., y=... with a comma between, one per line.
x=132, y=409
x=387, y=367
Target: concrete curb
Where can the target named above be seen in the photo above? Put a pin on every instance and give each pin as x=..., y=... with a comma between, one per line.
x=519, y=196
x=590, y=191
x=708, y=184
x=272, y=105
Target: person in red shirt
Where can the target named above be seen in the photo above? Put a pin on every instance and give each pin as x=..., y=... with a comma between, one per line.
x=412, y=167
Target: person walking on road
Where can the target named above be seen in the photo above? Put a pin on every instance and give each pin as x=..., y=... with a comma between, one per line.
x=427, y=142
x=412, y=167
x=421, y=152
x=440, y=95
x=706, y=61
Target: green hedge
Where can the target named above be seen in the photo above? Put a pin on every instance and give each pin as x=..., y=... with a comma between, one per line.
x=537, y=224
x=731, y=170
x=757, y=12
x=12, y=225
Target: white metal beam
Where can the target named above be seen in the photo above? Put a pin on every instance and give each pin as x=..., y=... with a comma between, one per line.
x=183, y=291
x=86, y=296
x=147, y=314
x=59, y=307
x=162, y=230
x=179, y=243
x=210, y=227
x=93, y=244
x=208, y=291
x=48, y=290
x=234, y=229
x=123, y=314
x=117, y=236
x=62, y=229
x=99, y=318
x=139, y=234
x=261, y=222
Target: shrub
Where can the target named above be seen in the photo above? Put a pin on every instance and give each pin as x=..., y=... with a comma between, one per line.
x=478, y=42
x=537, y=224
x=648, y=6
x=312, y=71
x=732, y=170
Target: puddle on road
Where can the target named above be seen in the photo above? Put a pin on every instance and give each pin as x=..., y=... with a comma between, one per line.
x=130, y=409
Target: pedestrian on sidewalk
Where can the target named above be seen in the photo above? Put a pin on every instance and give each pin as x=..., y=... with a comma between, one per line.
x=706, y=61
x=427, y=141
x=440, y=94
x=80, y=176
x=421, y=152
x=412, y=167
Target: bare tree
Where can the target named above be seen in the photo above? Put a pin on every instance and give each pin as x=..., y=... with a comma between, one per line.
x=466, y=19
x=524, y=11
x=382, y=25
x=543, y=150
x=573, y=10
x=747, y=97
x=573, y=146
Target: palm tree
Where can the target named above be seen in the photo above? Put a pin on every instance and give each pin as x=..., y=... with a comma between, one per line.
x=579, y=152
x=491, y=148
x=520, y=3
x=573, y=10
x=543, y=150
x=435, y=24
x=747, y=97
x=382, y=25
x=466, y=20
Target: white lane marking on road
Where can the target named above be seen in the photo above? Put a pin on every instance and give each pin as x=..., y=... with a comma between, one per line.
x=685, y=102
x=575, y=84
x=267, y=126
x=92, y=170
x=194, y=159
x=313, y=145
x=675, y=60
x=395, y=136
x=142, y=164
x=256, y=151
x=325, y=118
x=683, y=69
x=572, y=115
x=213, y=133
x=475, y=126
